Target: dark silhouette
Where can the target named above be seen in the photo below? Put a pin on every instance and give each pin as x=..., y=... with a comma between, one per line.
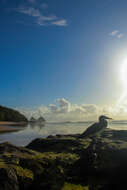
x=32, y=119
x=41, y=119
x=96, y=128
x=8, y=114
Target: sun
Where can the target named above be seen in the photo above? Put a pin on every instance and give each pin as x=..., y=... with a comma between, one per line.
x=123, y=78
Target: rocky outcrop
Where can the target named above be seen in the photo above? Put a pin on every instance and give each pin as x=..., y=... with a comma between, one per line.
x=40, y=120
x=66, y=162
x=32, y=119
x=8, y=114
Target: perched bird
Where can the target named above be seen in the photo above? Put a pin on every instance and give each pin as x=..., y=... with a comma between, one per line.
x=96, y=128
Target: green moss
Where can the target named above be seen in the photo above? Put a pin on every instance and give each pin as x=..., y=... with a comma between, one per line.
x=85, y=143
x=61, y=169
x=24, y=173
x=10, y=163
x=53, y=156
x=69, y=186
x=2, y=164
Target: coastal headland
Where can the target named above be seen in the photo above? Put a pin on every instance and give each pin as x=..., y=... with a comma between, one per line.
x=11, y=119
x=66, y=162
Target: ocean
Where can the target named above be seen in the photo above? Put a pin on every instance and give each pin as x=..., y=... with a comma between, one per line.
x=27, y=134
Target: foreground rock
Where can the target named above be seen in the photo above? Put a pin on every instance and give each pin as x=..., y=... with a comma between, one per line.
x=66, y=162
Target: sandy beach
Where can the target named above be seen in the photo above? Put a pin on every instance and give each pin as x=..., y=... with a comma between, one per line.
x=4, y=129
x=9, y=123
x=8, y=126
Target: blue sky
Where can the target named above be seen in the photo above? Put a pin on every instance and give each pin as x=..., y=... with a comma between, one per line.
x=61, y=49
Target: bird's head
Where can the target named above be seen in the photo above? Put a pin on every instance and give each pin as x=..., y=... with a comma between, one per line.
x=103, y=117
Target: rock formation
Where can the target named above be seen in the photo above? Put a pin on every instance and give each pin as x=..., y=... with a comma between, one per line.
x=32, y=119
x=7, y=114
x=66, y=162
x=40, y=120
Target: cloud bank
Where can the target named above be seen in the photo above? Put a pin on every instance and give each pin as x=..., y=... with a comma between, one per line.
x=63, y=110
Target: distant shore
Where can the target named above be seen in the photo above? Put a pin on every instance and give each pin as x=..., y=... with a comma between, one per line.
x=6, y=126
x=10, y=123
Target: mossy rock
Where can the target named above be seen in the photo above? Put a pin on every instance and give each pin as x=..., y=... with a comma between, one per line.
x=60, y=145
x=8, y=179
x=64, y=162
x=69, y=186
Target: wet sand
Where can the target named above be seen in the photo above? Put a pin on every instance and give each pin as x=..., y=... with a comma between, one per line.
x=10, y=126
x=7, y=129
x=9, y=123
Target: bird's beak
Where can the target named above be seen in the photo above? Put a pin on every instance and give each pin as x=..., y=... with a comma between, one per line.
x=108, y=118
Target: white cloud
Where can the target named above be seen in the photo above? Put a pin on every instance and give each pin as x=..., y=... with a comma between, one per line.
x=114, y=33
x=34, y=112
x=117, y=34
x=63, y=106
x=63, y=110
x=43, y=20
x=63, y=102
x=38, y=17
x=53, y=108
x=120, y=35
x=29, y=11
x=61, y=22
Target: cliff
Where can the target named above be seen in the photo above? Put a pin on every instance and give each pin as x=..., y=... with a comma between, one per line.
x=66, y=162
x=7, y=114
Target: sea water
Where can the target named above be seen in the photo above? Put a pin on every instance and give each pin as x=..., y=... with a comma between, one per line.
x=31, y=132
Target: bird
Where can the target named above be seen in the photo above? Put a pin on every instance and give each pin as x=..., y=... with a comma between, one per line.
x=96, y=128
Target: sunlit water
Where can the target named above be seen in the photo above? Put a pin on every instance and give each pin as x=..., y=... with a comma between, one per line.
x=27, y=134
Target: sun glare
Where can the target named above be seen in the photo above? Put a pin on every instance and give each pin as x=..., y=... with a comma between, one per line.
x=124, y=74
x=123, y=78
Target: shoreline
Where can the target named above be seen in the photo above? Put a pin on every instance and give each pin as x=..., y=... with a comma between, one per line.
x=73, y=162
x=10, y=123
x=7, y=126
x=7, y=129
